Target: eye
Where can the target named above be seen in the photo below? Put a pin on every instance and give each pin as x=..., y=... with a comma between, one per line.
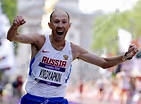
x=56, y=21
x=64, y=22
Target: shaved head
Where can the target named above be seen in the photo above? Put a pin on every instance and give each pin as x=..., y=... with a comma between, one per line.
x=59, y=12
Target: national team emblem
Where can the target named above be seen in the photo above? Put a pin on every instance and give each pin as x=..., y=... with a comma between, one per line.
x=65, y=57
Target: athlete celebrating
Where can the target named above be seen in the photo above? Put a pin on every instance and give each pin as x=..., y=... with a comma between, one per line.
x=51, y=59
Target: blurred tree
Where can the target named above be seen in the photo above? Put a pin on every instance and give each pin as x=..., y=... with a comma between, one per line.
x=135, y=16
x=106, y=26
x=9, y=8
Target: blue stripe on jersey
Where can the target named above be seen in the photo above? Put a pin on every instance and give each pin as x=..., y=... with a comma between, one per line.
x=51, y=67
x=68, y=74
x=31, y=62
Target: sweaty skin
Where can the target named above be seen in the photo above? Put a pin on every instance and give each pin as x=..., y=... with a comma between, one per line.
x=59, y=25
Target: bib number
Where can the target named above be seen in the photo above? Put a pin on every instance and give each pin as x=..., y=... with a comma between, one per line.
x=50, y=76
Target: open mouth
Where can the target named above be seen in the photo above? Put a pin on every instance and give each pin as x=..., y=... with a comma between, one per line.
x=60, y=33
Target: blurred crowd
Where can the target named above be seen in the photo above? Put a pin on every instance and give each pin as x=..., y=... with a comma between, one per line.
x=10, y=82
x=122, y=86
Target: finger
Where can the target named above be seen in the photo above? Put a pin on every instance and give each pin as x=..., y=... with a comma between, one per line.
x=16, y=21
x=20, y=18
x=130, y=49
x=134, y=51
x=19, y=21
x=22, y=21
x=133, y=47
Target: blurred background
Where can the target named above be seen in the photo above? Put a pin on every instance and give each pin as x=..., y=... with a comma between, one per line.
x=103, y=27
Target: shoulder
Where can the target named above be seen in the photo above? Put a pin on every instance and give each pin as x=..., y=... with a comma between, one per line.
x=39, y=40
x=39, y=37
x=77, y=51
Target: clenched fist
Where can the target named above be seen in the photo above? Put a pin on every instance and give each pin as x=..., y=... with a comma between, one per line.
x=132, y=50
x=18, y=21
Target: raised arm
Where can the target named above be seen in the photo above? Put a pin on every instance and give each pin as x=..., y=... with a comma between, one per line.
x=14, y=35
x=81, y=53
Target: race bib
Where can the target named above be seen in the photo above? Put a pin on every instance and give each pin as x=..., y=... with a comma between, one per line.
x=51, y=75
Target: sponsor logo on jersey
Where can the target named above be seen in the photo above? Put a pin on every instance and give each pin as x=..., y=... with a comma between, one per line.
x=45, y=51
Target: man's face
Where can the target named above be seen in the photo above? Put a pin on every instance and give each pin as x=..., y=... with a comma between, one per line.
x=59, y=24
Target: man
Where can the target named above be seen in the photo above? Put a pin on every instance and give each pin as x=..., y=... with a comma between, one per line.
x=51, y=59
x=17, y=88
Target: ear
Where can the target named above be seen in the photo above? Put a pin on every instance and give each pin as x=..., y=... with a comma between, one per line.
x=49, y=24
x=70, y=25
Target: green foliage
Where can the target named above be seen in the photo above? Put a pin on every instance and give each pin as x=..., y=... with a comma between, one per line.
x=106, y=27
x=136, y=19
x=9, y=8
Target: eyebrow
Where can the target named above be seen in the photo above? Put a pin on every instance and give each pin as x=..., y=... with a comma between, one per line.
x=58, y=19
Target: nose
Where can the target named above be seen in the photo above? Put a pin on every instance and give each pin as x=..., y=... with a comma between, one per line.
x=60, y=24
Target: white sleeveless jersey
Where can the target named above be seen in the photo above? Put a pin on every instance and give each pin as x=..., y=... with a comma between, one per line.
x=49, y=71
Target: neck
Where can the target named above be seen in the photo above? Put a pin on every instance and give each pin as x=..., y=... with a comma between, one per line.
x=58, y=45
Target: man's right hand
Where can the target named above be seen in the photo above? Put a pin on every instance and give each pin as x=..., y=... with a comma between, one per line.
x=12, y=32
x=18, y=21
